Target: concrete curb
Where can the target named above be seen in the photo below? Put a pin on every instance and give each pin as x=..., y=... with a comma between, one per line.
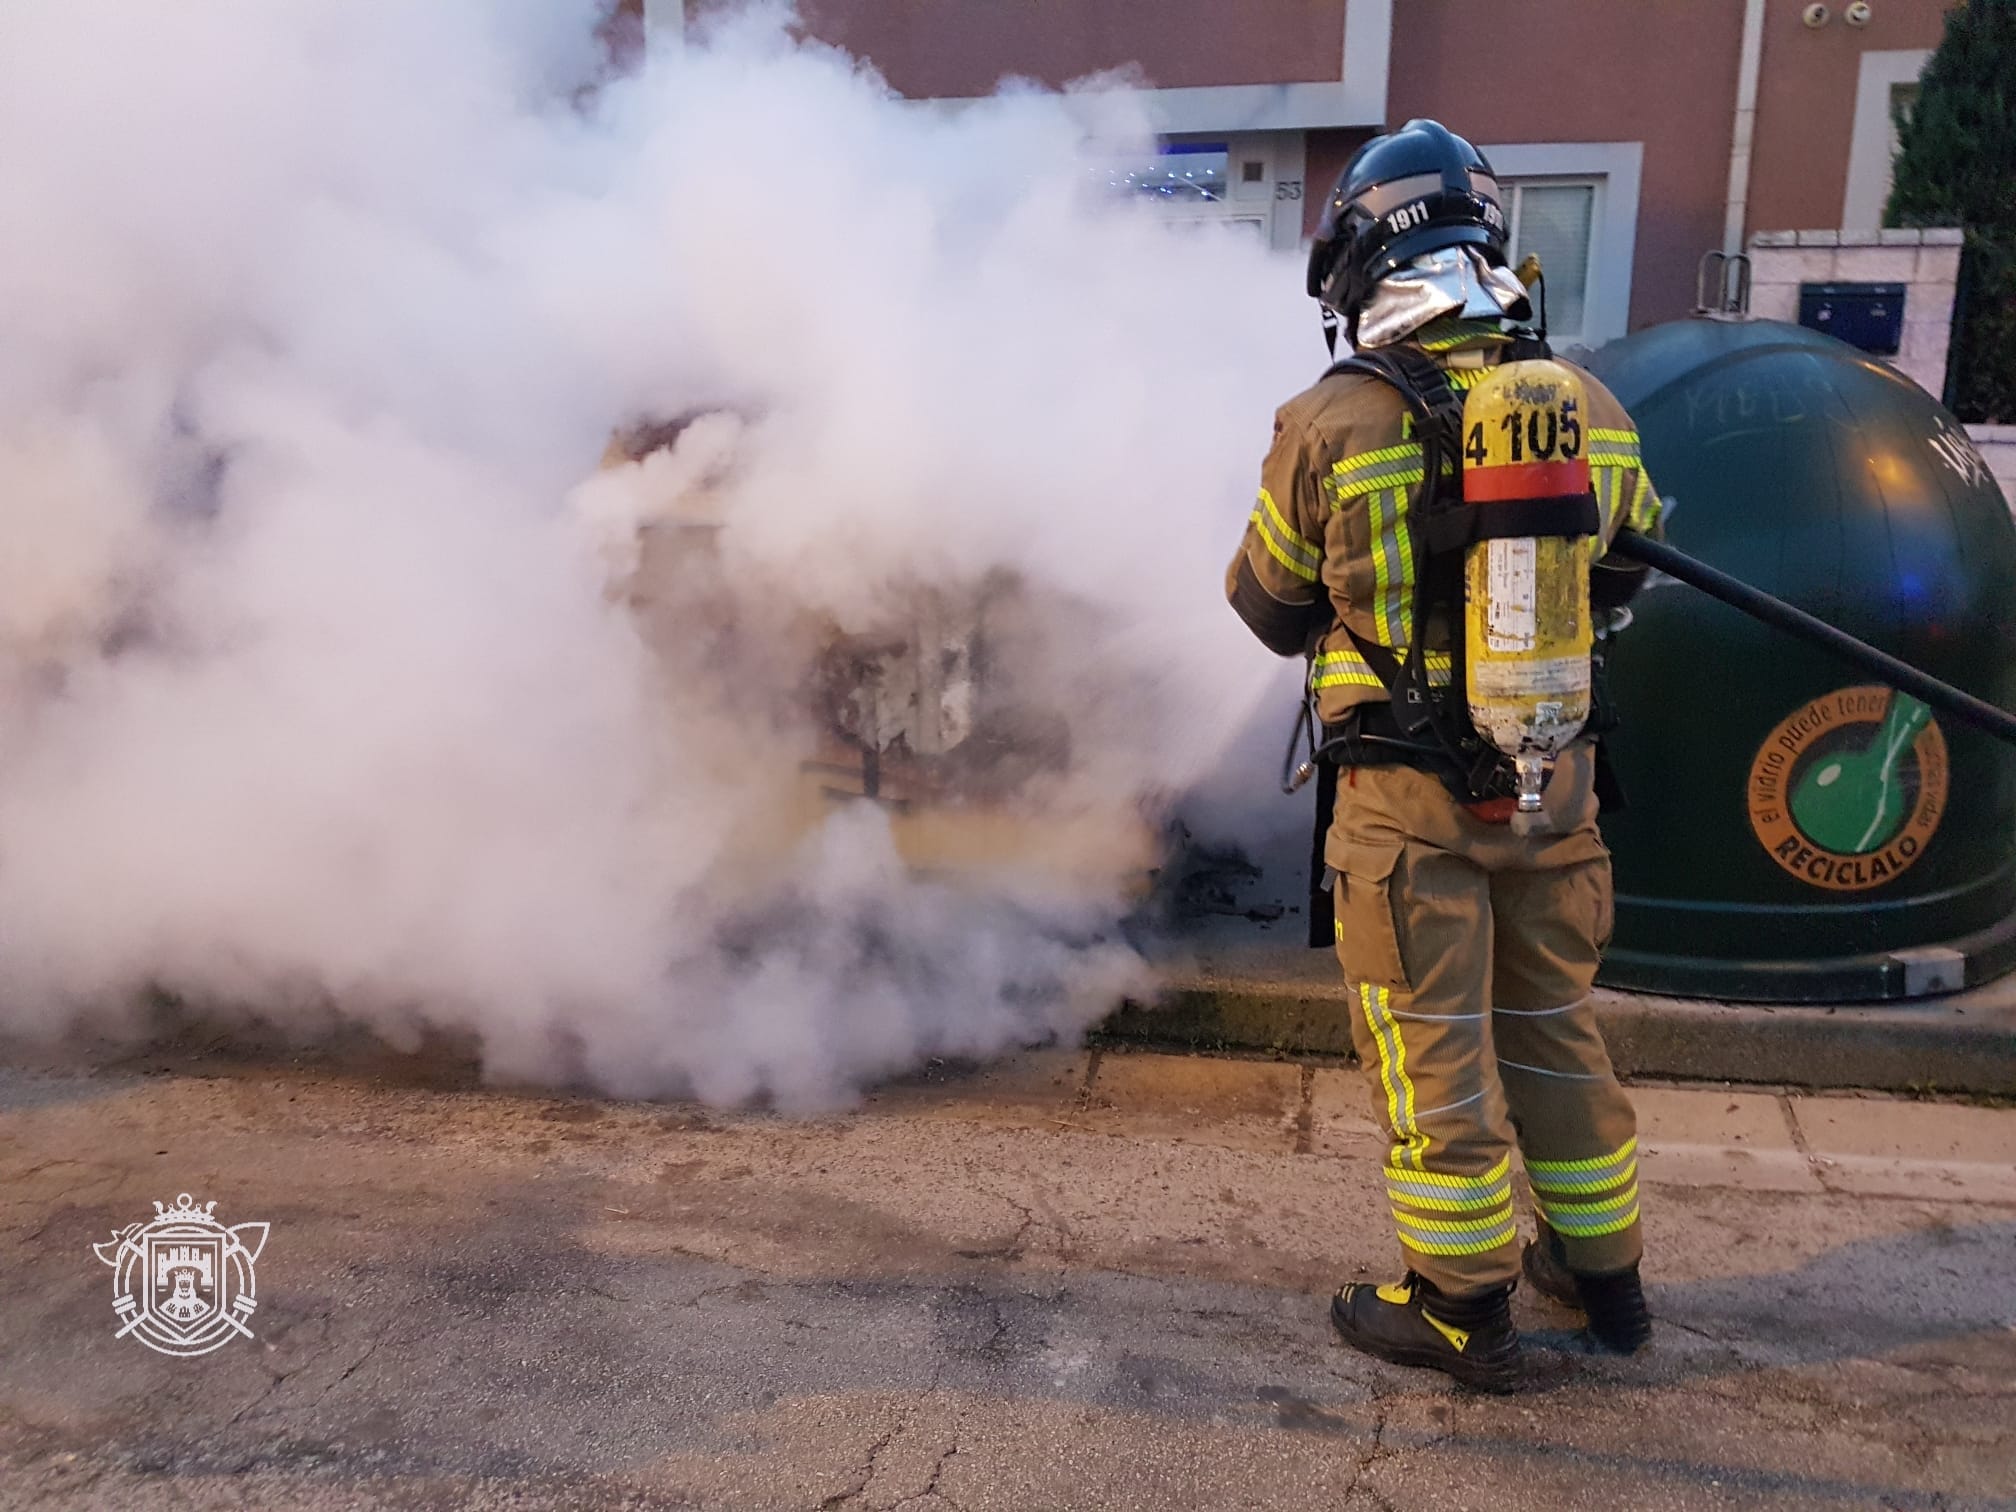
x=1285, y=999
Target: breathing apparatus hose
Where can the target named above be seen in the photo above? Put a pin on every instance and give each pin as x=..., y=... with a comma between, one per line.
x=1294, y=773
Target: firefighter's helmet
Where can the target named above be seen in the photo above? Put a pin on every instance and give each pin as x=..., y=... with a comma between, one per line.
x=1416, y=190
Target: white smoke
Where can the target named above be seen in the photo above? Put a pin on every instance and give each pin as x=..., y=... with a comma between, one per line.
x=317, y=693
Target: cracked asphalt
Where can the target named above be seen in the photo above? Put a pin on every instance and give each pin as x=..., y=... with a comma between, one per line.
x=1073, y=1280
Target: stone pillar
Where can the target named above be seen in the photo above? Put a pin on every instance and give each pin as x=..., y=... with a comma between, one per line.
x=1926, y=262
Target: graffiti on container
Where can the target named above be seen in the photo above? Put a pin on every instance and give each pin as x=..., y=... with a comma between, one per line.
x=1738, y=408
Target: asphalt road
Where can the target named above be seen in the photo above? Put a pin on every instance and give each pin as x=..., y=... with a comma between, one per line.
x=1068, y=1282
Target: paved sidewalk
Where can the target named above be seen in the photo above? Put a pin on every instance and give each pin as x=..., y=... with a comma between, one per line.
x=1232, y=983
x=1071, y=1280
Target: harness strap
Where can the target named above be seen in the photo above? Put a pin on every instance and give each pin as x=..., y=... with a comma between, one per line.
x=1425, y=389
x=1570, y=515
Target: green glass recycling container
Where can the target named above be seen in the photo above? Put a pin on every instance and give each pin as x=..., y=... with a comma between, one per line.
x=1793, y=830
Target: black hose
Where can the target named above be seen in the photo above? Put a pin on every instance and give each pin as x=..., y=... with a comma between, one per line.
x=1294, y=773
x=1944, y=697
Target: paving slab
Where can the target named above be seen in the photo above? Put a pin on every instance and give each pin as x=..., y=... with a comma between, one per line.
x=1886, y=1147
x=1742, y=1140
x=1232, y=1104
x=1341, y=1122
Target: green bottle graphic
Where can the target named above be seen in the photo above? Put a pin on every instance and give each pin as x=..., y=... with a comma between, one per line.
x=1852, y=802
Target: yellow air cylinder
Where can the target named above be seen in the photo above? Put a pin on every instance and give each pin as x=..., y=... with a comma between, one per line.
x=1526, y=598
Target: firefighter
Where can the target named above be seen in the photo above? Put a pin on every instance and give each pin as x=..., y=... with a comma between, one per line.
x=1469, y=943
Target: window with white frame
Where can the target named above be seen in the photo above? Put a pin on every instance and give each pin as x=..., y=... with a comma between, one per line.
x=1554, y=219
x=1886, y=87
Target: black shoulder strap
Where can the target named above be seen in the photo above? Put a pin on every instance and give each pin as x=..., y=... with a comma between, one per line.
x=1416, y=377
x=1438, y=422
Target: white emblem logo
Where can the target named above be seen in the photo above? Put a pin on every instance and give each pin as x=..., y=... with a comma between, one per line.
x=182, y=1284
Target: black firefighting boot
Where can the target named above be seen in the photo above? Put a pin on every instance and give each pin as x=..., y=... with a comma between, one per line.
x=1613, y=1302
x=1410, y=1322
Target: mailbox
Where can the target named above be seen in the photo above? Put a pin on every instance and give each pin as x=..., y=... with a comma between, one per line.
x=1865, y=315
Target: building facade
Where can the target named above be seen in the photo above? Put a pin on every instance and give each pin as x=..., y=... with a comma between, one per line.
x=1634, y=135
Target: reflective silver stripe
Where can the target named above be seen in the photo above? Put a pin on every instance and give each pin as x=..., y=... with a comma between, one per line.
x=1570, y=1183
x=1592, y=1218
x=1276, y=525
x=1452, y=1182
x=1442, y=1242
x=1347, y=666
x=1461, y=1102
x=1543, y=1071
x=1590, y=1172
x=1595, y=1228
x=1433, y=1196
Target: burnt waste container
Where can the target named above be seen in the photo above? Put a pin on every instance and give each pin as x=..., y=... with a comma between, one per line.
x=1795, y=831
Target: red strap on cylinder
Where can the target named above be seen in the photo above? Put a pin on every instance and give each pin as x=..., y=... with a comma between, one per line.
x=1525, y=480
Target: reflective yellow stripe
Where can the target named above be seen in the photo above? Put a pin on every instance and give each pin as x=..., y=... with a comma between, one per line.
x=1441, y=1192
x=1394, y=475
x=1433, y=1244
x=1279, y=555
x=1384, y=454
x=1384, y=505
x=1592, y=1229
x=1393, y=1073
x=1404, y=1194
x=1347, y=669
x=1608, y=1207
x=1605, y=433
x=1296, y=544
x=1491, y=1177
x=1608, y=481
x=1590, y=1220
x=1392, y=550
x=1581, y=1176
x=1593, y=1163
x=1359, y=676
x=1581, y=1183
x=1281, y=551
x=1645, y=505
x=1487, y=1224
x=1383, y=468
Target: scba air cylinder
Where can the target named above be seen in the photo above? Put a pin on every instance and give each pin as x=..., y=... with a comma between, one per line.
x=1526, y=596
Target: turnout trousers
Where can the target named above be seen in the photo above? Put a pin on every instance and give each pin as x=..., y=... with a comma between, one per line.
x=1469, y=953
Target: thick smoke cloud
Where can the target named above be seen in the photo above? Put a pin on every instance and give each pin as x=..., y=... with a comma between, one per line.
x=328, y=688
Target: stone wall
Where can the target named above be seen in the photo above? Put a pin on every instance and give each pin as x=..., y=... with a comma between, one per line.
x=1927, y=263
